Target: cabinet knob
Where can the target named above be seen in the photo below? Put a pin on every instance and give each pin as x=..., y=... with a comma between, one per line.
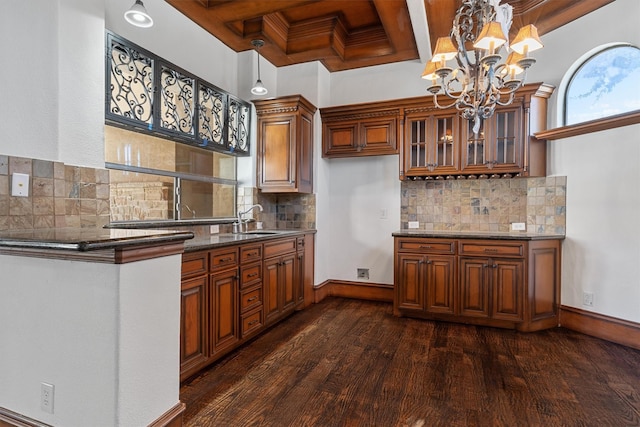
x=494, y=266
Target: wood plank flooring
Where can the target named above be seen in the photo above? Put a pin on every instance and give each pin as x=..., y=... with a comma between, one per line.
x=346, y=362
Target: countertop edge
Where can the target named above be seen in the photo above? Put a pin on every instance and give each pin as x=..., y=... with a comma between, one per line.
x=200, y=243
x=477, y=235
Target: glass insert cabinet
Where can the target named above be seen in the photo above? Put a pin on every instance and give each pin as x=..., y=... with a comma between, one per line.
x=439, y=144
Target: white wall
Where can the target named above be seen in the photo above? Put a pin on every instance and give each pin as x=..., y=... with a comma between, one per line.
x=29, y=79
x=105, y=335
x=602, y=251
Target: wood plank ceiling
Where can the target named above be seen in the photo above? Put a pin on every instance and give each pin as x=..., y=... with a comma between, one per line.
x=348, y=34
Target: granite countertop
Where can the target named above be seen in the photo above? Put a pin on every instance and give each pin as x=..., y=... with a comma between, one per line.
x=220, y=240
x=87, y=239
x=492, y=235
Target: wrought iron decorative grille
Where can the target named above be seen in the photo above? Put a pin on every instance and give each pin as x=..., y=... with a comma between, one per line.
x=176, y=111
x=211, y=109
x=238, y=125
x=131, y=83
x=134, y=75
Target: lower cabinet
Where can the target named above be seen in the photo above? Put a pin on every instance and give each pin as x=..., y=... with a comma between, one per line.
x=279, y=277
x=230, y=294
x=511, y=284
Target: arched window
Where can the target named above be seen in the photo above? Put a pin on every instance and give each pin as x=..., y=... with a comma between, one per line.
x=605, y=84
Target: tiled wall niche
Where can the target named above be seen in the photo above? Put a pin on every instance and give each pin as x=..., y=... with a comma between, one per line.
x=486, y=205
x=59, y=195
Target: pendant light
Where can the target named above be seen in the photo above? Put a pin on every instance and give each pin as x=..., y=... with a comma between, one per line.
x=258, y=88
x=137, y=15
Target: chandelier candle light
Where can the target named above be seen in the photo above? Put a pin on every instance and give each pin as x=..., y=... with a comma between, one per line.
x=480, y=82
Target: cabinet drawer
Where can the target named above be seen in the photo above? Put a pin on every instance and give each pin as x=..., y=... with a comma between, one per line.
x=432, y=246
x=250, y=253
x=250, y=298
x=251, y=322
x=492, y=248
x=222, y=258
x=195, y=264
x=279, y=247
x=250, y=274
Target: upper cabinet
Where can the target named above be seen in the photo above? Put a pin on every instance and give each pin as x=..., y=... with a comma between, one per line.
x=359, y=130
x=439, y=144
x=285, y=145
x=152, y=95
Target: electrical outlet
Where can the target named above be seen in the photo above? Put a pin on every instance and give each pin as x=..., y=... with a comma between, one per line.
x=518, y=226
x=363, y=273
x=383, y=213
x=587, y=299
x=19, y=185
x=46, y=397
x=214, y=229
x=414, y=224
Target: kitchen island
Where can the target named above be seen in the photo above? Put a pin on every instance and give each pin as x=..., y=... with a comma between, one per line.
x=94, y=313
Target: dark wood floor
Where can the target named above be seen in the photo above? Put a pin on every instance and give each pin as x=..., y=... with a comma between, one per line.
x=351, y=363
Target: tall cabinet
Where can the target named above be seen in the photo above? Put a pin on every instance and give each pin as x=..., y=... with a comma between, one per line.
x=285, y=145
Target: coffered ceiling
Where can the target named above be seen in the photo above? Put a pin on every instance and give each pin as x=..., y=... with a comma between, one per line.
x=347, y=34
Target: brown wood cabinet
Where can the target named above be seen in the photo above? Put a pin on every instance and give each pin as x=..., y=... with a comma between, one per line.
x=512, y=284
x=229, y=294
x=285, y=145
x=360, y=130
x=279, y=276
x=503, y=146
x=436, y=143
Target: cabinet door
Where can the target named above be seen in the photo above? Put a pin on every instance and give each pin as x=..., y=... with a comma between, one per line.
x=277, y=166
x=474, y=287
x=193, y=325
x=223, y=303
x=440, y=284
x=299, y=279
x=433, y=142
x=377, y=137
x=339, y=139
x=270, y=287
x=497, y=147
x=287, y=283
x=410, y=283
x=303, y=153
x=508, y=287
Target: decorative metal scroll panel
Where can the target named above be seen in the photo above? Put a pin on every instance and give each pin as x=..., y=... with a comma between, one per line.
x=238, y=126
x=211, y=109
x=131, y=83
x=176, y=110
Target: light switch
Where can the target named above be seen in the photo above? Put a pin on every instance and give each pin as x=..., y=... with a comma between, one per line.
x=20, y=185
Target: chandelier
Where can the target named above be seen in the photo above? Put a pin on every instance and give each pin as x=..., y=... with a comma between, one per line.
x=482, y=79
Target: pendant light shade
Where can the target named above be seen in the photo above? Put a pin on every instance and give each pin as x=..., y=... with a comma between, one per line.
x=258, y=88
x=137, y=15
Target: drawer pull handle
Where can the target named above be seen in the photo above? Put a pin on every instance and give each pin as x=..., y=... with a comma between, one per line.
x=253, y=322
x=252, y=275
x=425, y=246
x=252, y=254
x=225, y=260
x=490, y=250
x=253, y=298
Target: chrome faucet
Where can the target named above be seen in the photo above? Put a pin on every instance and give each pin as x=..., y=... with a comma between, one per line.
x=237, y=227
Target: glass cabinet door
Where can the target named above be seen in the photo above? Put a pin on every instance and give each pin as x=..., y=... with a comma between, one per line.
x=239, y=113
x=475, y=154
x=506, y=134
x=130, y=84
x=418, y=141
x=445, y=133
x=211, y=113
x=178, y=101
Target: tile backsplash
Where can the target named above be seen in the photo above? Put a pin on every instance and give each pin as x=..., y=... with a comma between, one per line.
x=71, y=196
x=486, y=205
x=59, y=195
